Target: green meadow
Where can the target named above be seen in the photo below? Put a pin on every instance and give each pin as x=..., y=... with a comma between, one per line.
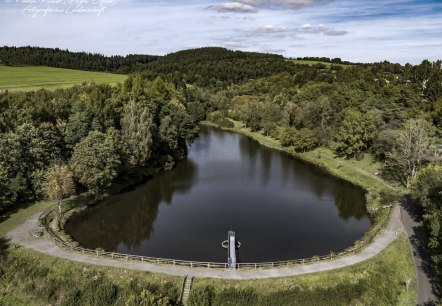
x=29, y=78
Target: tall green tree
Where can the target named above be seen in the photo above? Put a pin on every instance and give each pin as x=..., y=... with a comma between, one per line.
x=95, y=161
x=78, y=125
x=168, y=135
x=13, y=170
x=136, y=133
x=304, y=140
x=355, y=134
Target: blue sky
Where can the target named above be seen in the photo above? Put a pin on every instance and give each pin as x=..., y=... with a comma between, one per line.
x=363, y=31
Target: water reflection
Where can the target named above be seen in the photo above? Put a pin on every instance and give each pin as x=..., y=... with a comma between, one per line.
x=280, y=207
x=129, y=218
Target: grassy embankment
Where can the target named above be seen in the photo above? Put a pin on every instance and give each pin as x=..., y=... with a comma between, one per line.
x=29, y=78
x=30, y=278
x=378, y=281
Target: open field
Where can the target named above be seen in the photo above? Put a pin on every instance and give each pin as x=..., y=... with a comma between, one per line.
x=36, y=77
x=311, y=63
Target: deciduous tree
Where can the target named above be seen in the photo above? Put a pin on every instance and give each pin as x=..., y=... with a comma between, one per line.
x=136, y=133
x=58, y=184
x=411, y=147
x=355, y=133
x=95, y=161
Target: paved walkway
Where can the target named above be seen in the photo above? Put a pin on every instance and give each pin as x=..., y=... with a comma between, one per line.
x=411, y=218
x=21, y=235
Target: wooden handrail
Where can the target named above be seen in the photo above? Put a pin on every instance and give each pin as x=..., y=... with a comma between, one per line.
x=58, y=240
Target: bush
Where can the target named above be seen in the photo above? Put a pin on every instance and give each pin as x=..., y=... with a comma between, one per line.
x=226, y=123
x=389, y=197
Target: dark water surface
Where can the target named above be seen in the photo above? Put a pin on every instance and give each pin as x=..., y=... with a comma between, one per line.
x=280, y=208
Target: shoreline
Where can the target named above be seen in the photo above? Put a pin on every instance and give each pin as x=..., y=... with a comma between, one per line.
x=379, y=215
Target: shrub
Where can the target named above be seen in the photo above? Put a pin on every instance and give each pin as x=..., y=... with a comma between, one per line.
x=389, y=197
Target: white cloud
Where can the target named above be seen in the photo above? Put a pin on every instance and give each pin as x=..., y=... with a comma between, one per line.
x=309, y=29
x=235, y=7
x=268, y=29
x=281, y=3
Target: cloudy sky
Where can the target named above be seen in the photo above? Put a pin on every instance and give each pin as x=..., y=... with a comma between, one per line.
x=356, y=30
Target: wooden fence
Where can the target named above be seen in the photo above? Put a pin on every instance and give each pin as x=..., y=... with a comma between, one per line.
x=44, y=221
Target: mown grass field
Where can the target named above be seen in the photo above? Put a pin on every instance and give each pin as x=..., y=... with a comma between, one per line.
x=29, y=78
x=311, y=63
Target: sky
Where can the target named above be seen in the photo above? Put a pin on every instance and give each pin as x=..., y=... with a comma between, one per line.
x=403, y=31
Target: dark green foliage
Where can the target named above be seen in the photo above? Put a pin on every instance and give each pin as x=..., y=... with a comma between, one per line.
x=73, y=60
x=355, y=134
x=219, y=67
x=220, y=119
x=301, y=140
x=389, y=197
x=426, y=189
x=95, y=161
x=24, y=155
x=305, y=140
x=288, y=137
x=141, y=123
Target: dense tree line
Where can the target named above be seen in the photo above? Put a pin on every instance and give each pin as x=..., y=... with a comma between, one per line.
x=219, y=67
x=95, y=134
x=73, y=60
x=324, y=59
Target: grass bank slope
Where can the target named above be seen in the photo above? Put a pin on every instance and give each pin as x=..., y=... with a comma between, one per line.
x=29, y=78
x=378, y=281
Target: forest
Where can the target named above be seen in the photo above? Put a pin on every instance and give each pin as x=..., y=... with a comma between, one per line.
x=100, y=134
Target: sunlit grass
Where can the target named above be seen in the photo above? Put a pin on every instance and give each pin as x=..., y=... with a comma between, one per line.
x=377, y=281
x=29, y=78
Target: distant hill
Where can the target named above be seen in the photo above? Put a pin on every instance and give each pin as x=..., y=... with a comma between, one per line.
x=58, y=58
x=211, y=65
x=206, y=66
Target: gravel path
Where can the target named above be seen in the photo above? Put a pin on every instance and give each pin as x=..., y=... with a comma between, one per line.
x=21, y=235
x=412, y=220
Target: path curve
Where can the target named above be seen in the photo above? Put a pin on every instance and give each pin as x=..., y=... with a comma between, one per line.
x=21, y=236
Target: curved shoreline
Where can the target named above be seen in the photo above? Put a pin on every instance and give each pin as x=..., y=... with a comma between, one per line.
x=21, y=236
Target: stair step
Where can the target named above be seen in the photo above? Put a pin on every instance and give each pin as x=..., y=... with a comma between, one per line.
x=186, y=290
